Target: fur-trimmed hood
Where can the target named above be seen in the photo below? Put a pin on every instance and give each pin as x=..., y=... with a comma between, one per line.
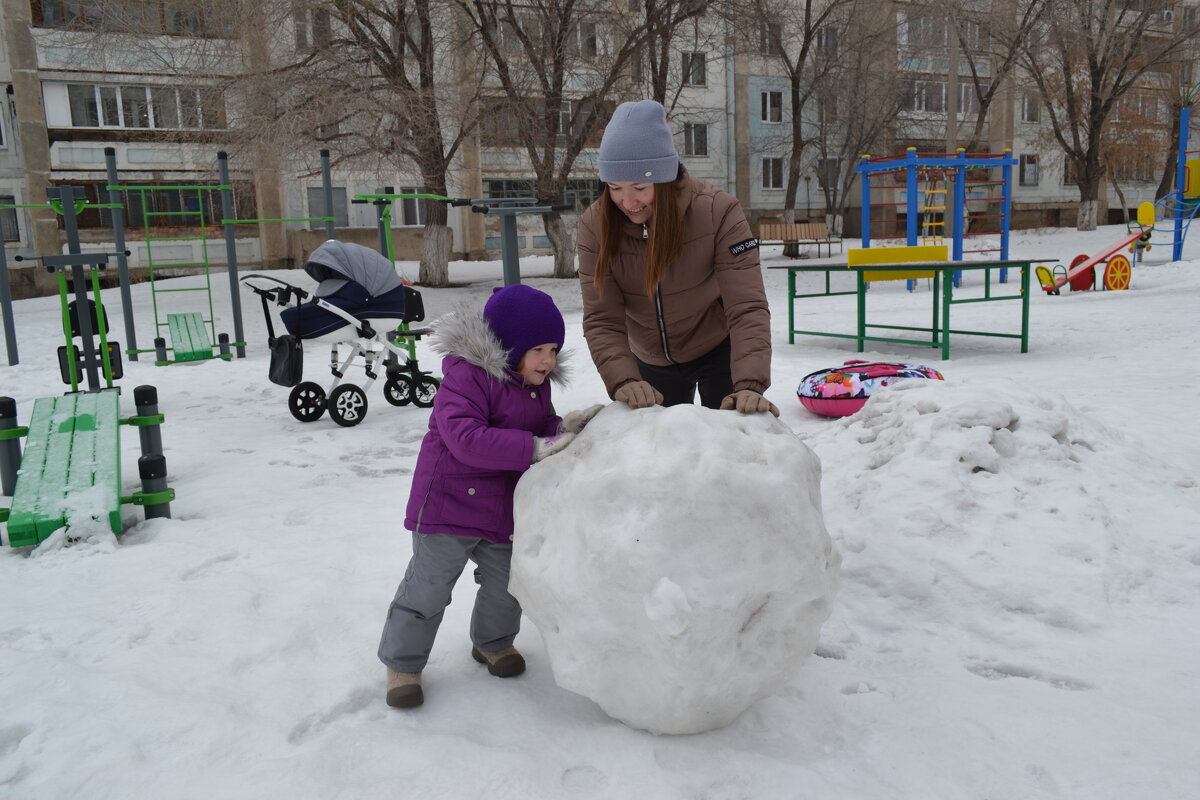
x=463, y=332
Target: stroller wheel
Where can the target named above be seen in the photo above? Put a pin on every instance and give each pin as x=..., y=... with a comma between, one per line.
x=307, y=401
x=399, y=390
x=348, y=405
x=425, y=388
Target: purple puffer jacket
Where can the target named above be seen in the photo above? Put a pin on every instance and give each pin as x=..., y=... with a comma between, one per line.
x=480, y=437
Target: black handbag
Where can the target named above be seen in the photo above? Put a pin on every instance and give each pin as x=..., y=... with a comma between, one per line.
x=287, y=360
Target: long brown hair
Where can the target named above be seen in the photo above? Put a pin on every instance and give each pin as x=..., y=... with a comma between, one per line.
x=666, y=235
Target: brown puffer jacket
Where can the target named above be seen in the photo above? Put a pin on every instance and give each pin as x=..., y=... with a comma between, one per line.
x=712, y=290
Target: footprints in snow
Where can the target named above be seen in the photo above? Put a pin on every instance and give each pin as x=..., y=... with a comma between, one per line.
x=998, y=670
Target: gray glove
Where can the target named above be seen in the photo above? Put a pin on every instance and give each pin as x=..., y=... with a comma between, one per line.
x=638, y=394
x=576, y=421
x=748, y=401
x=544, y=446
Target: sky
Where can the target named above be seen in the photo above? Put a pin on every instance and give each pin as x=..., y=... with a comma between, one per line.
x=1016, y=616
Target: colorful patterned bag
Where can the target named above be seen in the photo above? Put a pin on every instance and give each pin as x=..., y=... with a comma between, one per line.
x=841, y=391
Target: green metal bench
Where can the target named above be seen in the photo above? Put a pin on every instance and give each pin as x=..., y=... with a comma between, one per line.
x=72, y=456
x=189, y=337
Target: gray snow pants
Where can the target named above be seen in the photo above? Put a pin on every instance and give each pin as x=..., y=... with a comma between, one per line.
x=416, y=612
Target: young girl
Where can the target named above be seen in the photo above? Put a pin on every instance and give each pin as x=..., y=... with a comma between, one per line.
x=492, y=418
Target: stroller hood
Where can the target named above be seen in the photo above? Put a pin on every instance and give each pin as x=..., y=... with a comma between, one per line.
x=335, y=263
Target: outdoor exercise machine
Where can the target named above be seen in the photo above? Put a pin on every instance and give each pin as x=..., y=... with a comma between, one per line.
x=192, y=333
x=71, y=468
x=507, y=209
x=82, y=317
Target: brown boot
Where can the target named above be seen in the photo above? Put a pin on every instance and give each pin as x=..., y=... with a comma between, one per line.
x=404, y=689
x=502, y=663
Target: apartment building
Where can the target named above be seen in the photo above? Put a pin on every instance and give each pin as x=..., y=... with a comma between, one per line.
x=85, y=77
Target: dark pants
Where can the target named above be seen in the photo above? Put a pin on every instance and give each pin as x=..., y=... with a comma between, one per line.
x=678, y=382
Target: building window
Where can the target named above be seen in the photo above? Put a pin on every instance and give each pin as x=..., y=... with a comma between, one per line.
x=772, y=173
x=98, y=106
x=694, y=73
x=195, y=18
x=508, y=188
x=922, y=95
x=695, y=139
x=579, y=193
x=316, y=207
x=827, y=110
x=772, y=106
x=828, y=171
x=583, y=40
x=412, y=209
x=1136, y=167
x=1029, y=170
x=1070, y=178
x=921, y=30
x=8, y=219
x=498, y=124
x=1031, y=107
x=770, y=39
x=827, y=42
x=1135, y=107
x=968, y=98
x=972, y=36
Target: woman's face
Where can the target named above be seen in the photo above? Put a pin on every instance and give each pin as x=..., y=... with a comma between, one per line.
x=636, y=200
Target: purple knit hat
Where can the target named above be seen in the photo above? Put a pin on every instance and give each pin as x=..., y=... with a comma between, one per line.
x=523, y=318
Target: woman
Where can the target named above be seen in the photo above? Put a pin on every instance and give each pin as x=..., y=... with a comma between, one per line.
x=673, y=297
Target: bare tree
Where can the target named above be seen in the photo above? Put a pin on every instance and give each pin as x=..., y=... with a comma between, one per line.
x=862, y=103
x=800, y=37
x=990, y=43
x=559, y=68
x=386, y=86
x=1084, y=57
x=674, y=28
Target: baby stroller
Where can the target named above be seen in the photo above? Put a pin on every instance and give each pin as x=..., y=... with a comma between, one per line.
x=358, y=295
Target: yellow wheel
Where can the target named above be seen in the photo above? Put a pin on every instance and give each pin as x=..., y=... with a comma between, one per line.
x=1116, y=274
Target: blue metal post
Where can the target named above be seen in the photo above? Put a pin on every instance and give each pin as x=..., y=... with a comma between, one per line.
x=866, y=201
x=1006, y=205
x=960, y=203
x=1185, y=120
x=911, y=190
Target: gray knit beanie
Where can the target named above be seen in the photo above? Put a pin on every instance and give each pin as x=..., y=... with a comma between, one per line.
x=637, y=145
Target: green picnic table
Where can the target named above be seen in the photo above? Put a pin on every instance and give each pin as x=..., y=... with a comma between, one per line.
x=937, y=334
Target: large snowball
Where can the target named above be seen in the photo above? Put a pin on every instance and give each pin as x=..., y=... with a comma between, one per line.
x=676, y=562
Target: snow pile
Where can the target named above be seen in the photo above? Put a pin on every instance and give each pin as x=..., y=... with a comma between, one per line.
x=961, y=503
x=676, y=563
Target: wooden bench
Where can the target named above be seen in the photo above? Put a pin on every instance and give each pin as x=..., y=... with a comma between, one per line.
x=189, y=337
x=815, y=233
x=71, y=467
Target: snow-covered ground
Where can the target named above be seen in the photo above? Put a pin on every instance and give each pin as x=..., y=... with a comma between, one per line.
x=1017, y=618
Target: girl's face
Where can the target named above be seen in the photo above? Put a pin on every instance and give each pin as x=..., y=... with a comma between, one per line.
x=636, y=200
x=536, y=363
